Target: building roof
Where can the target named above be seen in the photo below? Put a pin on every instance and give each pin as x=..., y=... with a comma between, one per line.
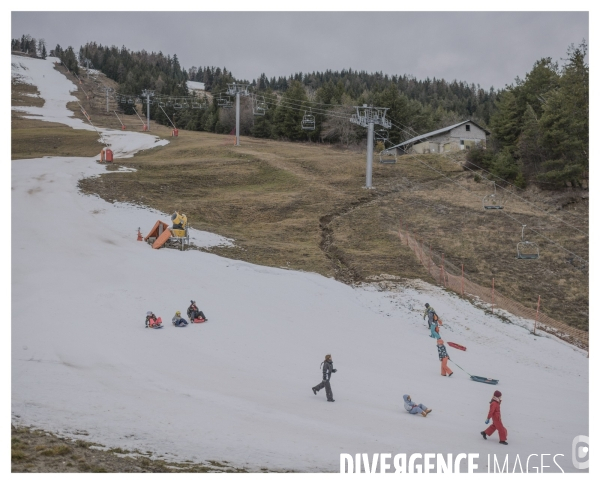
x=434, y=133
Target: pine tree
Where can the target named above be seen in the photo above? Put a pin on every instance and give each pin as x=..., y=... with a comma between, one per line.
x=565, y=122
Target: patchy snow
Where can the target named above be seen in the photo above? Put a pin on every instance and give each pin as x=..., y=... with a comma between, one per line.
x=238, y=388
x=56, y=90
x=195, y=86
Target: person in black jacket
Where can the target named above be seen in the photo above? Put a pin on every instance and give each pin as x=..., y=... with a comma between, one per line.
x=327, y=371
x=193, y=312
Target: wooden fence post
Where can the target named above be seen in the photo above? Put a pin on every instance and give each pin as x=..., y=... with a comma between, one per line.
x=492, y=295
x=537, y=313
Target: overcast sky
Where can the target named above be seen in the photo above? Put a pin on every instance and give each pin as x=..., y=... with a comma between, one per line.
x=486, y=48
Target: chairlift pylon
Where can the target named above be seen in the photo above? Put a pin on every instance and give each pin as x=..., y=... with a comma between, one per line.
x=308, y=122
x=527, y=250
x=493, y=201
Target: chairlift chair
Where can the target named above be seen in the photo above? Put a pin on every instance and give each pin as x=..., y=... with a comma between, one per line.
x=259, y=106
x=388, y=157
x=382, y=134
x=493, y=201
x=177, y=105
x=308, y=122
x=527, y=250
x=129, y=101
x=196, y=106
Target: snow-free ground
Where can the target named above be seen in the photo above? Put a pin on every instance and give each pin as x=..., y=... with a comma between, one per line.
x=238, y=388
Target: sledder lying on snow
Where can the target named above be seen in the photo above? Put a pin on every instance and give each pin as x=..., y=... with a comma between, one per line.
x=179, y=321
x=195, y=315
x=414, y=408
x=152, y=321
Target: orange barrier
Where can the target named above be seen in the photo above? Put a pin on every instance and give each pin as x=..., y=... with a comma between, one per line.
x=454, y=279
x=160, y=241
x=160, y=232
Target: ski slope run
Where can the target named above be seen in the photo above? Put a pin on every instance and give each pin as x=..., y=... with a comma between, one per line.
x=238, y=388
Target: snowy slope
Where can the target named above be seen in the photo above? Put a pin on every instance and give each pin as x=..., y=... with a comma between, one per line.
x=238, y=388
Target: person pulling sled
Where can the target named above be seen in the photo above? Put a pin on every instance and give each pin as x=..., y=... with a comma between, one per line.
x=152, y=321
x=194, y=313
x=443, y=354
x=327, y=371
x=494, y=414
x=178, y=320
x=414, y=408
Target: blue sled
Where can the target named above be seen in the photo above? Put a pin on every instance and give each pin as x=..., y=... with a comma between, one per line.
x=481, y=379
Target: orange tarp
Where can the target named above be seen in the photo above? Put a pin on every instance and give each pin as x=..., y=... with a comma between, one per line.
x=157, y=230
x=161, y=232
x=166, y=235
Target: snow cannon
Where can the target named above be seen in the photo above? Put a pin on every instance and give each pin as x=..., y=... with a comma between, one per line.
x=122, y=127
x=175, y=133
x=145, y=127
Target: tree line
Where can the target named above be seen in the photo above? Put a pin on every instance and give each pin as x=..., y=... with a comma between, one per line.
x=539, y=124
x=540, y=128
x=29, y=45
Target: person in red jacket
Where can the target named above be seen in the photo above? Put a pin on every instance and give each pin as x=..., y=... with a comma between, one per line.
x=494, y=414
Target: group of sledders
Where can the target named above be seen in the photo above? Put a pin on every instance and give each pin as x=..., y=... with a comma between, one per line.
x=434, y=323
x=195, y=315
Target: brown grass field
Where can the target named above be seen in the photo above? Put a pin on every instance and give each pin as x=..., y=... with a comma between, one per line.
x=302, y=206
x=34, y=450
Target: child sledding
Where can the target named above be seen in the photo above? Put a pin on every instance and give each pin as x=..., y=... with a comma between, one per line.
x=414, y=408
x=152, y=321
x=195, y=315
x=178, y=321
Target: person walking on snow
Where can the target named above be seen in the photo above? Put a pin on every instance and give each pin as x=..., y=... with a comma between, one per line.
x=327, y=371
x=178, y=320
x=443, y=354
x=432, y=320
x=494, y=414
x=435, y=330
x=414, y=408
